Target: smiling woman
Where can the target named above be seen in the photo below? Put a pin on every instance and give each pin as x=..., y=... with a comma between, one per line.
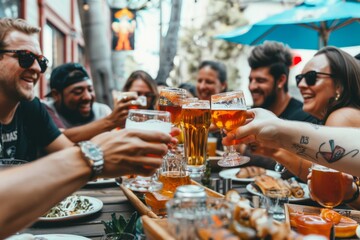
x=330, y=86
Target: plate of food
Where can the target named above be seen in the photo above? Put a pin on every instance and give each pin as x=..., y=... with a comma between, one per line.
x=297, y=191
x=28, y=236
x=247, y=174
x=72, y=207
x=303, y=218
x=101, y=181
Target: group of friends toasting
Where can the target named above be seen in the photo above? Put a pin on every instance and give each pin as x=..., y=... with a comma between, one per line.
x=81, y=146
x=330, y=86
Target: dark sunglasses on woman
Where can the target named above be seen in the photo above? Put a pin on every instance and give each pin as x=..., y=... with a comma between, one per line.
x=27, y=58
x=310, y=77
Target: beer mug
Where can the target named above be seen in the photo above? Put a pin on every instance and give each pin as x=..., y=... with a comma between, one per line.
x=196, y=120
x=172, y=174
x=326, y=186
x=141, y=119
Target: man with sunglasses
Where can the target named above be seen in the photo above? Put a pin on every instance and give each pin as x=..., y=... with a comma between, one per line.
x=25, y=126
x=268, y=83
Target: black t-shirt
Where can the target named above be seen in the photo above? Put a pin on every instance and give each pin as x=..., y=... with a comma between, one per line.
x=31, y=130
x=294, y=112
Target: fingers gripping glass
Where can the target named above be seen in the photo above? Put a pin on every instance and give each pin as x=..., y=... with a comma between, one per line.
x=310, y=77
x=27, y=58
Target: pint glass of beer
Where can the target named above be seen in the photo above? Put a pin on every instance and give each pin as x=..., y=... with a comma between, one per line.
x=326, y=186
x=142, y=119
x=171, y=100
x=196, y=120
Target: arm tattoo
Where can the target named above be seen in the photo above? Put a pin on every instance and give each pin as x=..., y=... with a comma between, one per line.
x=300, y=150
x=315, y=126
x=337, y=152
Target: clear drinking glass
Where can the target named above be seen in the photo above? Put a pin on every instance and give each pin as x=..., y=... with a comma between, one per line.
x=172, y=174
x=196, y=120
x=171, y=100
x=146, y=120
x=228, y=112
x=276, y=198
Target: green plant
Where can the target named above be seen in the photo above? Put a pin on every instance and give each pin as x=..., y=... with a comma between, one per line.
x=120, y=225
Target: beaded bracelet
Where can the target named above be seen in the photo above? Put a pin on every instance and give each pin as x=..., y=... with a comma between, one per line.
x=356, y=194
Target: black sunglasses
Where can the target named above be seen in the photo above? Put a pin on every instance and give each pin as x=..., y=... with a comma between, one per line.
x=310, y=77
x=27, y=58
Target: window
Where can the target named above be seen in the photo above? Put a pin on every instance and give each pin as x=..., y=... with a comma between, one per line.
x=54, y=44
x=9, y=8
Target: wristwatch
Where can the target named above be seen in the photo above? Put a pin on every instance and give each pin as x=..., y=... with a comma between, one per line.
x=94, y=155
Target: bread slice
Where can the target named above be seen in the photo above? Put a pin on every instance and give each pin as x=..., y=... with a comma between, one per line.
x=266, y=183
x=250, y=172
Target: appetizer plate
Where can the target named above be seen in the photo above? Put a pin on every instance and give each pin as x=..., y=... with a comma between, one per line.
x=24, y=236
x=60, y=237
x=101, y=181
x=252, y=189
x=231, y=173
x=97, y=205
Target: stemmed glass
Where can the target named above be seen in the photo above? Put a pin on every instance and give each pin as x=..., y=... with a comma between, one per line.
x=228, y=112
x=146, y=120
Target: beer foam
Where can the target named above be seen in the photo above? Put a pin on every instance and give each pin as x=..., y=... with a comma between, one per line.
x=227, y=107
x=153, y=125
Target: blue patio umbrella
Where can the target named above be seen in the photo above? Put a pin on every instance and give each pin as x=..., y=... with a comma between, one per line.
x=310, y=25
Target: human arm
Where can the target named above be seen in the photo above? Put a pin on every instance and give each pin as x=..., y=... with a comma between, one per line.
x=116, y=118
x=28, y=191
x=306, y=140
x=295, y=164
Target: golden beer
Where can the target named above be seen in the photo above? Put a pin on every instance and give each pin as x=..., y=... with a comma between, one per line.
x=326, y=186
x=175, y=112
x=171, y=180
x=171, y=100
x=196, y=120
x=228, y=119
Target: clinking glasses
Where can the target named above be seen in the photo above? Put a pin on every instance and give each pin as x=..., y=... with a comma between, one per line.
x=310, y=77
x=27, y=58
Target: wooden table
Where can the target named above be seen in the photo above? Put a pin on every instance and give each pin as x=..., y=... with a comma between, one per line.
x=114, y=201
x=90, y=226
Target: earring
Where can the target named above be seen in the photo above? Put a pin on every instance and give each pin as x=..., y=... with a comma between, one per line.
x=337, y=96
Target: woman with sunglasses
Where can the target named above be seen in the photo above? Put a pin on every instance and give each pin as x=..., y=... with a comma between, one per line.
x=330, y=86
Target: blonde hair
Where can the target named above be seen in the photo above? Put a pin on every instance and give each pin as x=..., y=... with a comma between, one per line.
x=8, y=25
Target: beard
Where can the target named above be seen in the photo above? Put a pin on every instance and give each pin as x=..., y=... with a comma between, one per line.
x=270, y=99
x=73, y=116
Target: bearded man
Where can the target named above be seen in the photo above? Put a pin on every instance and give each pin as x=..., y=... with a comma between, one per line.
x=268, y=83
x=74, y=96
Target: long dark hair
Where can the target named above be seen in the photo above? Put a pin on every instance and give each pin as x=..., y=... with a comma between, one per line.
x=346, y=71
x=139, y=74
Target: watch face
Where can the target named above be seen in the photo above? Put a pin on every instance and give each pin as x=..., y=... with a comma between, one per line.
x=95, y=153
x=92, y=151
